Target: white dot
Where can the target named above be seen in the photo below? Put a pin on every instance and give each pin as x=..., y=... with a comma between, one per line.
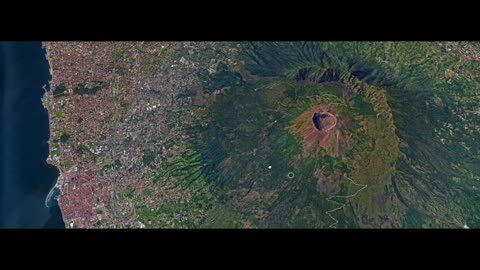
x=269, y=167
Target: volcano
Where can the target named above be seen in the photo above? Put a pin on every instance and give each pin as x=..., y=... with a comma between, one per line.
x=320, y=127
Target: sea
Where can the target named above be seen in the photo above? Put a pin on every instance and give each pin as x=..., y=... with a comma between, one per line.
x=27, y=181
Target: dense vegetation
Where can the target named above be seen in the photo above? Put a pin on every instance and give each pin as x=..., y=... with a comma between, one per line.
x=404, y=151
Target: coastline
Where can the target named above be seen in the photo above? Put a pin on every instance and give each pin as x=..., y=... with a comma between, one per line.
x=46, y=100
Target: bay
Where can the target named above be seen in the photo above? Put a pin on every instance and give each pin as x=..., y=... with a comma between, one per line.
x=25, y=177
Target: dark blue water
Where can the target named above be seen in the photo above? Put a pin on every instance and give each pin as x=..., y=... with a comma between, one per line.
x=25, y=176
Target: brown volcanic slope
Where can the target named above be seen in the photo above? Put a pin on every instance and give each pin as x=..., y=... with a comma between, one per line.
x=321, y=126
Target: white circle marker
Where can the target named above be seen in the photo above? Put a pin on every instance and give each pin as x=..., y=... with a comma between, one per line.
x=269, y=167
